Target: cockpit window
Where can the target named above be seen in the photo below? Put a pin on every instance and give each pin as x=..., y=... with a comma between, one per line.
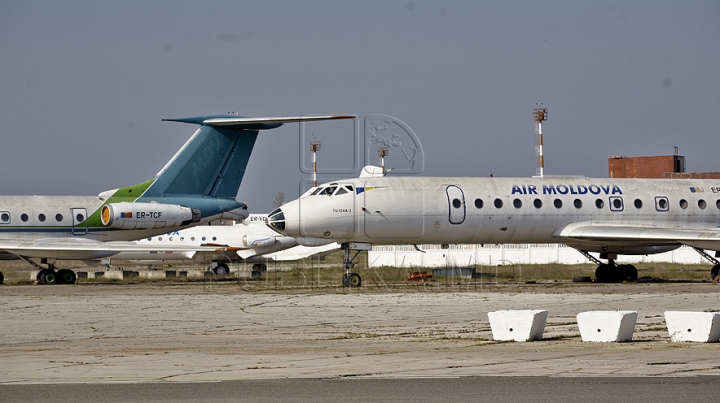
x=349, y=188
x=316, y=191
x=328, y=191
x=340, y=191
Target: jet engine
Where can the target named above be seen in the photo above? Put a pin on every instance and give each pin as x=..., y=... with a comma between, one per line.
x=258, y=241
x=126, y=215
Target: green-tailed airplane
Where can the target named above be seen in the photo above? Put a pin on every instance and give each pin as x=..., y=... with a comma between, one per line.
x=198, y=185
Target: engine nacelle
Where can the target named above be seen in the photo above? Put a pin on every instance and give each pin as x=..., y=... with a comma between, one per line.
x=258, y=241
x=126, y=215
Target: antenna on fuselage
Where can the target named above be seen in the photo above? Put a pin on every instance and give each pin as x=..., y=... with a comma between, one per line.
x=382, y=152
x=314, y=148
x=539, y=115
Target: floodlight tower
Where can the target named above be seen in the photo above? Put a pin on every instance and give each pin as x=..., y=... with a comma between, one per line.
x=382, y=152
x=314, y=148
x=539, y=115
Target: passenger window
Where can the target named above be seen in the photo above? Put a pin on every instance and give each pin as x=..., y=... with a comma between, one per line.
x=638, y=203
x=616, y=203
x=517, y=203
x=537, y=203
x=717, y=204
x=456, y=203
x=479, y=203
x=557, y=203
x=577, y=203
x=702, y=204
x=683, y=204
x=4, y=217
x=599, y=203
x=41, y=217
x=25, y=217
x=58, y=217
x=498, y=203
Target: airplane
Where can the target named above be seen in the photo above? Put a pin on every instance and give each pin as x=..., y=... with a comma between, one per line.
x=249, y=241
x=199, y=184
x=610, y=217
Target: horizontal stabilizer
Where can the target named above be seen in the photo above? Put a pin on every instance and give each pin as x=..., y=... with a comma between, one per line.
x=249, y=123
x=272, y=120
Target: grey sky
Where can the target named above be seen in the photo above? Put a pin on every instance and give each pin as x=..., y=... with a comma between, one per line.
x=84, y=84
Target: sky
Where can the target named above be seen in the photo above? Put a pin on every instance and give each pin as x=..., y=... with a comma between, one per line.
x=84, y=86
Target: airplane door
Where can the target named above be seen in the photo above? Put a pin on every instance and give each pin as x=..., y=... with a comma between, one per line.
x=616, y=203
x=456, y=204
x=79, y=221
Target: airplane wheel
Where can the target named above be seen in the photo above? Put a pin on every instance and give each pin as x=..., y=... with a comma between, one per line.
x=355, y=280
x=345, y=282
x=603, y=273
x=49, y=278
x=715, y=272
x=221, y=269
x=2, y=278
x=628, y=272
x=66, y=276
x=41, y=276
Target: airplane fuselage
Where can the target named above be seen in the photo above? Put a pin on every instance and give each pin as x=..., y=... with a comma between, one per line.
x=425, y=210
x=77, y=218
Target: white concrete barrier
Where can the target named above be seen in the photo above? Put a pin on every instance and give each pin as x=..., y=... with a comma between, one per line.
x=701, y=327
x=607, y=326
x=520, y=325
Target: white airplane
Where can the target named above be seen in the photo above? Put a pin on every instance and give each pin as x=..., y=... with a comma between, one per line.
x=198, y=185
x=607, y=216
x=249, y=241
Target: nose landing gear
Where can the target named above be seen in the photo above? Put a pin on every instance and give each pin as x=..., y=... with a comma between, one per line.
x=352, y=279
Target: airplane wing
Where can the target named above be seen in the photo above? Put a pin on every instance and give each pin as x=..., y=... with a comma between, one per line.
x=612, y=235
x=83, y=249
x=295, y=253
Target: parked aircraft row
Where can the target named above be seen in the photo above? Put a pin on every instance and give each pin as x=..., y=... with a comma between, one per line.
x=610, y=217
x=198, y=185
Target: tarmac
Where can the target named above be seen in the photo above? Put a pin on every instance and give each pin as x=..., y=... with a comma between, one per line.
x=189, y=332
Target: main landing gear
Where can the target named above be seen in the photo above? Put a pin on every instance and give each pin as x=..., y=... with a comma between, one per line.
x=350, y=279
x=49, y=275
x=220, y=269
x=715, y=271
x=613, y=273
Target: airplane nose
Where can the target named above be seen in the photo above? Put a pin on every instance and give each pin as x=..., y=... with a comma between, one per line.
x=276, y=221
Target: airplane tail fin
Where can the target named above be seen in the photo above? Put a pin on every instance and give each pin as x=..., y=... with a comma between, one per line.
x=212, y=163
